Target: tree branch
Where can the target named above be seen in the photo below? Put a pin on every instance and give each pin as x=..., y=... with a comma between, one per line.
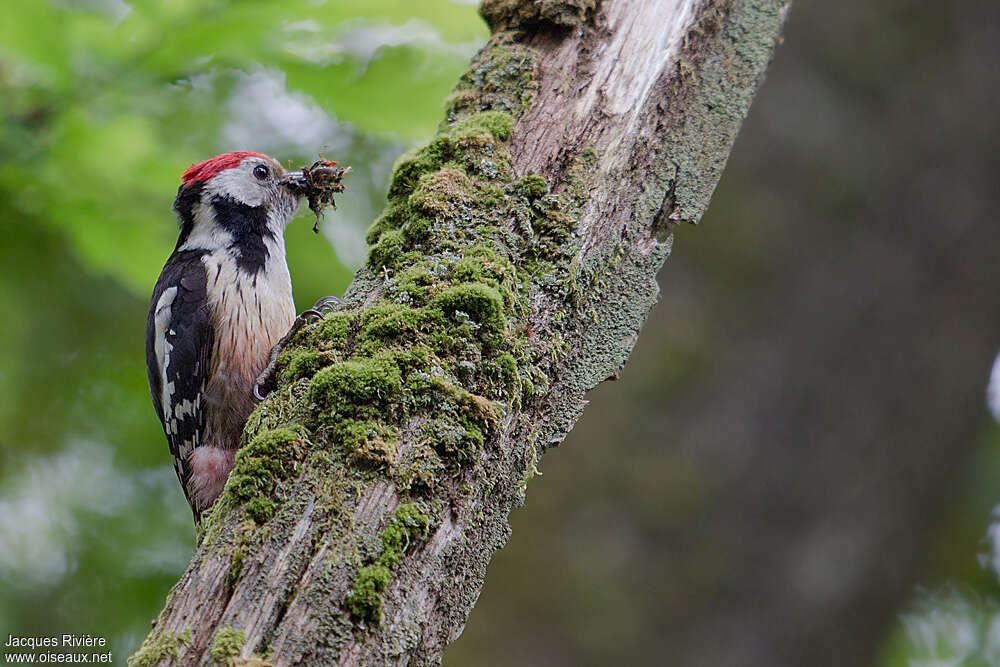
x=510, y=273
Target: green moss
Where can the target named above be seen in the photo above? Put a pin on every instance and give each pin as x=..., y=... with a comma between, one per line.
x=481, y=263
x=416, y=283
x=235, y=569
x=480, y=302
x=392, y=218
x=477, y=408
x=387, y=251
x=159, y=646
x=444, y=395
x=411, y=166
x=553, y=221
x=472, y=440
x=368, y=441
x=438, y=193
x=407, y=523
x=298, y=364
x=533, y=186
x=418, y=469
x=275, y=443
x=263, y=461
x=417, y=229
x=414, y=358
x=433, y=197
x=227, y=644
x=390, y=321
x=506, y=374
x=260, y=509
x=453, y=438
x=349, y=384
x=456, y=432
x=507, y=365
x=253, y=479
x=468, y=270
x=335, y=327
x=499, y=124
x=365, y=600
x=445, y=148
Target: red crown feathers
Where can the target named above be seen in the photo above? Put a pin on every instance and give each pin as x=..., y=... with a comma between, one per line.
x=209, y=168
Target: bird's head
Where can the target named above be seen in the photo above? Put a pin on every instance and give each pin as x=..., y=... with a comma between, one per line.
x=234, y=197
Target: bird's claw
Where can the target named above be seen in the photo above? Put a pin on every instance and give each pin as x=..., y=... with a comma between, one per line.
x=326, y=305
x=322, y=308
x=256, y=390
x=265, y=380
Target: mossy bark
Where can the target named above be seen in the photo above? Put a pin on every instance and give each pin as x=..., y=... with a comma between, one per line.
x=510, y=273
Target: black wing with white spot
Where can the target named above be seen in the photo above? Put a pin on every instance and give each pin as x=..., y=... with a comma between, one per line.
x=179, y=342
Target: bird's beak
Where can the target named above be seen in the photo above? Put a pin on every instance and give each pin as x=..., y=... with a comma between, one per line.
x=294, y=181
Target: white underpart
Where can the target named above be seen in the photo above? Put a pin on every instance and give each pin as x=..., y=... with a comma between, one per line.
x=251, y=312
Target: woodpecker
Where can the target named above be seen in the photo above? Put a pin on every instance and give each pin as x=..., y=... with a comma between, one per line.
x=219, y=311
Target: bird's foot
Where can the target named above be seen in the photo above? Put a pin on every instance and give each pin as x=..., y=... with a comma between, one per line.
x=322, y=308
x=266, y=380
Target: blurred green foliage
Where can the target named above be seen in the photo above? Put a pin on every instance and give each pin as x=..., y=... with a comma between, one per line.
x=103, y=104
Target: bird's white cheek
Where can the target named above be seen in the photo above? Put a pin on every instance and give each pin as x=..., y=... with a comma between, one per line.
x=206, y=233
x=236, y=184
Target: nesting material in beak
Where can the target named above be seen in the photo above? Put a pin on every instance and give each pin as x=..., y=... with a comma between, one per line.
x=317, y=183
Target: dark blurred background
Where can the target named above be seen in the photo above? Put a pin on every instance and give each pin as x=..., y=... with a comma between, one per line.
x=797, y=466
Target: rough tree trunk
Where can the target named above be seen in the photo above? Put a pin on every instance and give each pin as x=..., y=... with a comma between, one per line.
x=510, y=274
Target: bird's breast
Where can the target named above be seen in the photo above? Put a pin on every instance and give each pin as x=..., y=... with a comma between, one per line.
x=250, y=313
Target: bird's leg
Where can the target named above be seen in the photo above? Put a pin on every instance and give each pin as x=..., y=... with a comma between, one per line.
x=265, y=381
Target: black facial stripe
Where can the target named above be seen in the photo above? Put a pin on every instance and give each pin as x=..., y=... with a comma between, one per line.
x=187, y=196
x=248, y=227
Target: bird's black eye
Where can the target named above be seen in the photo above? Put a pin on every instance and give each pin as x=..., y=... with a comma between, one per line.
x=260, y=172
